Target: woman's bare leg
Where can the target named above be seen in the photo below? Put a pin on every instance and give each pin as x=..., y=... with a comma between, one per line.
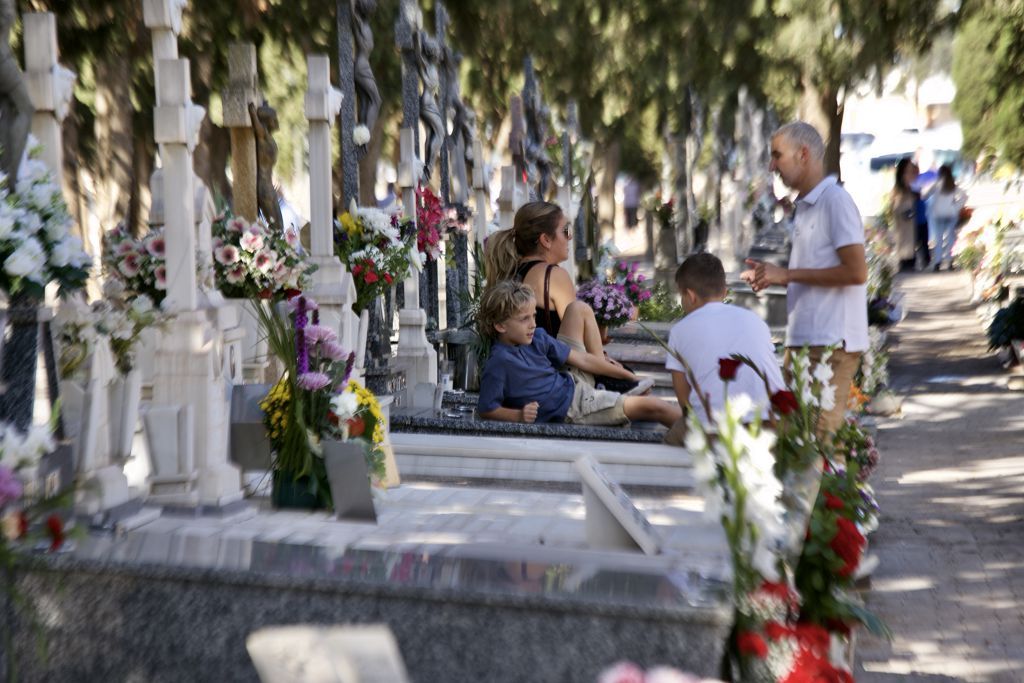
x=579, y=323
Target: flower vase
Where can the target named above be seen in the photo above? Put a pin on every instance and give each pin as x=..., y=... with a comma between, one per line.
x=19, y=361
x=364, y=328
x=799, y=494
x=291, y=492
x=350, y=480
x=124, y=395
x=255, y=352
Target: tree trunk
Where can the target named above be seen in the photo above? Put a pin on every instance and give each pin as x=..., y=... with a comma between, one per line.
x=114, y=135
x=610, y=162
x=823, y=108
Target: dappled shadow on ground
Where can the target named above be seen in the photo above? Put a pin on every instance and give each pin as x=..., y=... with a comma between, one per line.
x=951, y=487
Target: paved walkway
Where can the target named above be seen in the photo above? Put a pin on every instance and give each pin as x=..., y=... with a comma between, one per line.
x=951, y=486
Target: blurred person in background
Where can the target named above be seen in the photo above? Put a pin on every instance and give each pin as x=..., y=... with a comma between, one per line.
x=945, y=201
x=903, y=202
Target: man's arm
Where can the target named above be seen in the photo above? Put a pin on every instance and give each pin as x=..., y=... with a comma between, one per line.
x=598, y=365
x=682, y=388
x=852, y=270
x=527, y=413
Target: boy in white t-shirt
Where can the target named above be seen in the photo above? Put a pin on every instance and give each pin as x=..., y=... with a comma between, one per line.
x=713, y=330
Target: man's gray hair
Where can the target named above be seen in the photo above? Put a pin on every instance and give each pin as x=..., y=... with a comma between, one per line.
x=805, y=135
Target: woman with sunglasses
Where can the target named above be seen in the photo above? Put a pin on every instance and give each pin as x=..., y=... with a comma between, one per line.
x=530, y=251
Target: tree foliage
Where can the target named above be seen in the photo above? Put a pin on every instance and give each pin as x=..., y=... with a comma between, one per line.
x=988, y=69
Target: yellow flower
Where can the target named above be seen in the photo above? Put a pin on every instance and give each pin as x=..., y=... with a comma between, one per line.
x=349, y=223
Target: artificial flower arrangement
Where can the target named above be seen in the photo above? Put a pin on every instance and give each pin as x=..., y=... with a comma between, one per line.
x=252, y=261
x=36, y=244
x=377, y=248
x=625, y=276
x=777, y=490
x=430, y=223
x=315, y=400
x=77, y=327
x=139, y=264
x=611, y=306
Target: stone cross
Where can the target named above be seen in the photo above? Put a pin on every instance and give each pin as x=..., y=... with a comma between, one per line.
x=535, y=114
x=346, y=81
x=406, y=35
x=174, y=133
x=49, y=85
x=517, y=135
x=444, y=74
x=188, y=370
x=332, y=287
x=241, y=92
x=15, y=102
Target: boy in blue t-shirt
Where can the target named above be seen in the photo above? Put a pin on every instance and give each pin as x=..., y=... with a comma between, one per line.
x=522, y=382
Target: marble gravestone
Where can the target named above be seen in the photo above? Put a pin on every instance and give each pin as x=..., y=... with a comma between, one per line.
x=104, y=486
x=327, y=654
x=613, y=522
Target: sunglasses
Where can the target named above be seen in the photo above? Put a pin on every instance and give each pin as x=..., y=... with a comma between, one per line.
x=567, y=231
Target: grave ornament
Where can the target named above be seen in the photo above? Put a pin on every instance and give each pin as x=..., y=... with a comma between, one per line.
x=430, y=112
x=264, y=123
x=367, y=93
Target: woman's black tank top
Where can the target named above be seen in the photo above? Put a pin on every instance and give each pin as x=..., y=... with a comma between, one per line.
x=547, y=319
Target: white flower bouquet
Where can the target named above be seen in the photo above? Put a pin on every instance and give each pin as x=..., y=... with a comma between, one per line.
x=252, y=261
x=36, y=244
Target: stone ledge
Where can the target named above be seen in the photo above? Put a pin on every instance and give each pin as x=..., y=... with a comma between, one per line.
x=415, y=421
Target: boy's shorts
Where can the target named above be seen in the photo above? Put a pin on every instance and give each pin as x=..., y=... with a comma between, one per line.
x=592, y=406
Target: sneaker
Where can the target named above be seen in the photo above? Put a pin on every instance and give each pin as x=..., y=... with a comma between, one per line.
x=642, y=387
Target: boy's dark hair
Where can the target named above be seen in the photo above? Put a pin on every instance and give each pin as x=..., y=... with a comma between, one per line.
x=704, y=274
x=499, y=303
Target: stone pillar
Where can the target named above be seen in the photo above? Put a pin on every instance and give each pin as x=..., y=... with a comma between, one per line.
x=49, y=85
x=414, y=351
x=332, y=286
x=480, y=194
x=188, y=371
x=242, y=90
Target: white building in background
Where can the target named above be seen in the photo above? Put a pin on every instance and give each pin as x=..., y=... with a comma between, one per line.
x=907, y=119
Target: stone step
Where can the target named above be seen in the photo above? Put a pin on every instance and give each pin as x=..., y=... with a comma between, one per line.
x=470, y=456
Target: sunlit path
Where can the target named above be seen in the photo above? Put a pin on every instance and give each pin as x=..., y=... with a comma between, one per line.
x=951, y=486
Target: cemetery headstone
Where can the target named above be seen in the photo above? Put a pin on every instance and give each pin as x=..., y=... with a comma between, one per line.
x=613, y=522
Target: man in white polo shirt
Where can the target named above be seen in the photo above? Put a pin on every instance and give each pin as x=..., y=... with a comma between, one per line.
x=826, y=292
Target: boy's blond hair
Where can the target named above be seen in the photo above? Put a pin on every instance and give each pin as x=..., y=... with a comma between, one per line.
x=499, y=303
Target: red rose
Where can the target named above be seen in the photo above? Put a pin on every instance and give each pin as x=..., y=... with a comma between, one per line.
x=848, y=544
x=266, y=293
x=776, y=631
x=750, y=643
x=387, y=278
x=370, y=278
x=356, y=269
x=55, y=527
x=290, y=294
x=838, y=626
x=784, y=402
x=727, y=368
x=356, y=426
x=833, y=503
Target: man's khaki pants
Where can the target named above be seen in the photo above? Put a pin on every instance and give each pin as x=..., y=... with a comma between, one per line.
x=844, y=367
